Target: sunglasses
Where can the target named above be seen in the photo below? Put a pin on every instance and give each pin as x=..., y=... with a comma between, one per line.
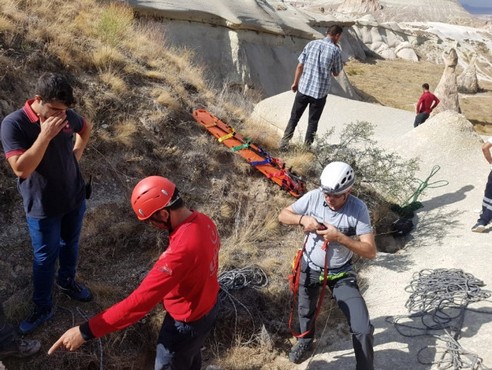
x=333, y=196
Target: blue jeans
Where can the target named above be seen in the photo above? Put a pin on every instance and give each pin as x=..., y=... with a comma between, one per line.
x=300, y=104
x=179, y=344
x=54, y=238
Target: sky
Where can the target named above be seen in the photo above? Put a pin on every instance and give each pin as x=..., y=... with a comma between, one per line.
x=478, y=6
x=483, y=3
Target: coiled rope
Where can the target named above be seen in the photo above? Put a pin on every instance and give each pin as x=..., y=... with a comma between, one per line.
x=439, y=299
x=236, y=279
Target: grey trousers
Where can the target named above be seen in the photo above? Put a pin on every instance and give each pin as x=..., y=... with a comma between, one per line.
x=347, y=295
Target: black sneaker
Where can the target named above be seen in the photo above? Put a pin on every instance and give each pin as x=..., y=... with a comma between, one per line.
x=21, y=348
x=298, y=351
x=75, y=290
x=36, y=318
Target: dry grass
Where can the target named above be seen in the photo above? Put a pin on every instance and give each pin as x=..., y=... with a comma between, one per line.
x=115, y=24
x=108, y=58
x=395, y=83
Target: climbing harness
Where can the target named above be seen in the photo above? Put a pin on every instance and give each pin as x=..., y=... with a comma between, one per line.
x=294, y=286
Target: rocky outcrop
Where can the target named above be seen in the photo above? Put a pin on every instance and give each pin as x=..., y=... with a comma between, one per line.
x=387, y=40
x=359, y=6
x=405, y=51
x=447, y=89
x=467, y=80
x=448, y=11
x=255, y=43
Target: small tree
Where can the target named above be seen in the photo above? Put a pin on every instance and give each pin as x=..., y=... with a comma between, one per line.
x=377, y=170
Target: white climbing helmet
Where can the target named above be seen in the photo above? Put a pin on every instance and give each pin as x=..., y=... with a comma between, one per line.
x=337, y=178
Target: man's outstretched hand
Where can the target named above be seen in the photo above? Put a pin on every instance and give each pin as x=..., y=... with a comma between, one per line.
x=71, y=340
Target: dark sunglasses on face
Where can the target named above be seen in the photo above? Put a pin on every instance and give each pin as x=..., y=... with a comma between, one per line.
x=333, y=196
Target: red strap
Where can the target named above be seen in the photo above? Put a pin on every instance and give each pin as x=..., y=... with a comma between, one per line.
x=294, y=300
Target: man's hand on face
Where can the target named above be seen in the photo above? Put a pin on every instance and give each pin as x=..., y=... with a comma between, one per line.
x=51, y=126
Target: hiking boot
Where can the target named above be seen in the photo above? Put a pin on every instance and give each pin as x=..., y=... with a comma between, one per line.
x=478, y=228
x=74, y=290
x=36, y=318
x=299, y=351
x=21, y=348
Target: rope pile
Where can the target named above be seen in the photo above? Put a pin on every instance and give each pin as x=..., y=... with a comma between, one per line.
x=439, y=299
x=252, y=276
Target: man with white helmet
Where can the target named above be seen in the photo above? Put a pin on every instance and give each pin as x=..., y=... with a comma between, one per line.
x=337, y=226
x=184, y=279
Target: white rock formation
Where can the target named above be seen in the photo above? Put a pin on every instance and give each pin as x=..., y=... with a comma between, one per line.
x=405, y=51
x=387, y=40
x=467, y=80
x=256, y=43
x=359, y=6
x=449, y=11
x=447, y=89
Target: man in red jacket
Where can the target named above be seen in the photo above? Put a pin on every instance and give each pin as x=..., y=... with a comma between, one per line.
x=427, y=102
x=184, y=279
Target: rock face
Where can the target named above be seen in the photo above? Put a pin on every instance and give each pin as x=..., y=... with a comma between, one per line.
x=255, y=43
x=405, y=51
x=467, y=80
x=449, y=11
x=447, y=89
x=387, y=40
x=359, y=6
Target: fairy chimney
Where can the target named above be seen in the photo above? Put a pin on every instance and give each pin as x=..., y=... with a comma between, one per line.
x=447, y=89
x=467, y=80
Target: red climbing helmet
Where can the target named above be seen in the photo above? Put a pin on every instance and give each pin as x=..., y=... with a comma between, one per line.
x=150, y=195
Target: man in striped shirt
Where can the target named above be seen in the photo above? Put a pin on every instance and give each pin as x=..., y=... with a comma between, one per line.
x=319, y=60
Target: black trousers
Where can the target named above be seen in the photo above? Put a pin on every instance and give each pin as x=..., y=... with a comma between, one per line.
x=7, y=333
x=179, y=344
x=420, y=118
x=300, y=104
x=486, y=215
x=347, y=295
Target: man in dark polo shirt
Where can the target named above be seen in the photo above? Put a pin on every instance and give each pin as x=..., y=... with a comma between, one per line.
x=38, y=141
